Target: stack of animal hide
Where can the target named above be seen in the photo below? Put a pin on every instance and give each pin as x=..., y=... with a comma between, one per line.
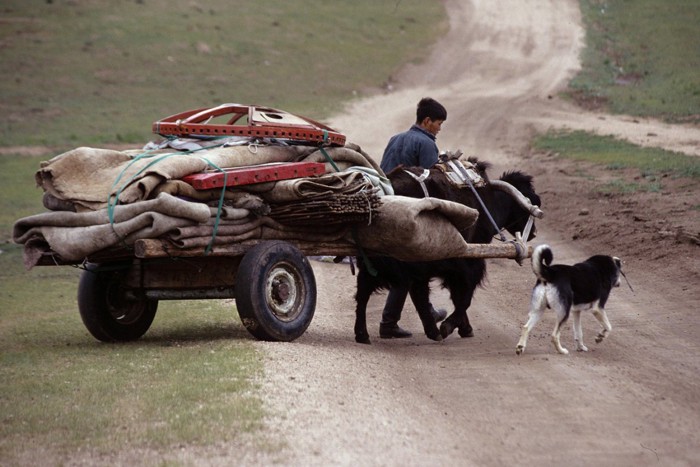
x=84, y=179
x=99, y=199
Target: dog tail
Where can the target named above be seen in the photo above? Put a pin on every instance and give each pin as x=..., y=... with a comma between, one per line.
x=541, y=259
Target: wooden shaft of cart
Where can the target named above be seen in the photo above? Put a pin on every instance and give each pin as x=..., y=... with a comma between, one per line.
x=153, y=248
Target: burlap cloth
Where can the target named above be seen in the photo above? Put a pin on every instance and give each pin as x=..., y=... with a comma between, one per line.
x=87, y=177
x=76, y=235
x=412, y=229
x=155, y=203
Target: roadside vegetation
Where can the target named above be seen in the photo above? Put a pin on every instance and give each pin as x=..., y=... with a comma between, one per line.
x=652, y=164
x=98, y=73
x=641, y=58
x=637, y=61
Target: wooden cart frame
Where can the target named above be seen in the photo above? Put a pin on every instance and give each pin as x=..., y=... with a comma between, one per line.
x=272, y=282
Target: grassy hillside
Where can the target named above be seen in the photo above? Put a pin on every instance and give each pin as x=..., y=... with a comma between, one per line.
x=615, y=154
x=641, y=58
x=85, y=72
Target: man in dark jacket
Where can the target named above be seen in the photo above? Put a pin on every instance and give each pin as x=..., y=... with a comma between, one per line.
x=412, y=148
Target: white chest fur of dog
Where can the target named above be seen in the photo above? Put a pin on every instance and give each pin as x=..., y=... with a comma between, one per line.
x=570, y=290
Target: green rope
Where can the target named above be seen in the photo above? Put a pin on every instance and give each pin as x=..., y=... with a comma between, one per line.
x=220, y=205
x=328, y=158
x=113, y=199
x=325, y=154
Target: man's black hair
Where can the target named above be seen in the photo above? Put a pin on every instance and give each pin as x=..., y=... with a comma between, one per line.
x=428, y=107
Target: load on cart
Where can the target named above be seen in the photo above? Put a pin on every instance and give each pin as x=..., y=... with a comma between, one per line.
x=229, y=205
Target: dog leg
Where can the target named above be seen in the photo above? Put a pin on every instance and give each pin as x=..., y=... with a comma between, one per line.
x=562, y=310
x=556, y=339
x=578, y=332
x=538, y=303
x=527, y=327
x=602, y=318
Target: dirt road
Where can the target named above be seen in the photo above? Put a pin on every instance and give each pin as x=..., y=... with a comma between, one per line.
x=632, y=400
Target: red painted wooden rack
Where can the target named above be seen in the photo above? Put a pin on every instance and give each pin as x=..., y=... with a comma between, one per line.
x=249, y=175
x=247, y=121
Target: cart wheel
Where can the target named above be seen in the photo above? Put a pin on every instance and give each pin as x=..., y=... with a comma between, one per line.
x=104, y=309
x=275, y=291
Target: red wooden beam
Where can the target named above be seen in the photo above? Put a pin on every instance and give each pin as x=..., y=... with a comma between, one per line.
x=249, y=175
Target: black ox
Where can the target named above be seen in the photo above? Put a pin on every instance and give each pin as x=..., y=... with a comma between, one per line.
x=460, y=276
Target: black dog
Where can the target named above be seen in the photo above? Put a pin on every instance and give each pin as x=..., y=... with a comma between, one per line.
x=567, y=289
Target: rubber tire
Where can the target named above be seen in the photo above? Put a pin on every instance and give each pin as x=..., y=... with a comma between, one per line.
x=107, y=315
x=265, y=273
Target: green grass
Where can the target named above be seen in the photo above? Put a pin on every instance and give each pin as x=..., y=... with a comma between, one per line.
x=614, y=153
x=622, y=186
x=19, y=195
x=642, y=58
x=87, y=73
x=191, y=380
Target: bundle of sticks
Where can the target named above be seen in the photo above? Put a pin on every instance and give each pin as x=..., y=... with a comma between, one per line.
x=351, y=206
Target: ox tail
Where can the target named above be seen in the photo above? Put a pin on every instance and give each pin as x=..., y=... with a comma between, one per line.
x=541, y=259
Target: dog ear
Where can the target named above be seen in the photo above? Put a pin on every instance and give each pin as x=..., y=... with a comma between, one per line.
x=618, y=262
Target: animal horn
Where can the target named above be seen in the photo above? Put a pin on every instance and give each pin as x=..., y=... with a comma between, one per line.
x=519, y=197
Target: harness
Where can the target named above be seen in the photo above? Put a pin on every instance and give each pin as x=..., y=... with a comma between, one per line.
x=461, y=176
x=421, y=180
x=466, y=177
x=458, y=174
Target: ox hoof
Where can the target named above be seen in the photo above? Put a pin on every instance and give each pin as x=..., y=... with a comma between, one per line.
x=432, y=333
x=436, y=337
x=446, y=329
x=519, y=350
x=469, y=332
x=362, y=340
x=599, y=338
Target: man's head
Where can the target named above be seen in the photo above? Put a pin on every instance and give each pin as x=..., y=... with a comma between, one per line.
x=430, y=114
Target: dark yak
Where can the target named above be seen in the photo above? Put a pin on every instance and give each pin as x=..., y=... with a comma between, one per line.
x=460, y=276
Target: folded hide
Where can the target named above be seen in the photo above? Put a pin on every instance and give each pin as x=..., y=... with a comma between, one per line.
x=87, y=177
x=76, y=235
x=299, y=189
x=412, y=229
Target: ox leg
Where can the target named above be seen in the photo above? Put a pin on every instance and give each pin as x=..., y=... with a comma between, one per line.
x=420, y=296
x=448, y=326
x=461, y=298
x=364, y=291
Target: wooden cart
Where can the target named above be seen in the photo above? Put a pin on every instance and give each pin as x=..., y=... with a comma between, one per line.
x=272, y=281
